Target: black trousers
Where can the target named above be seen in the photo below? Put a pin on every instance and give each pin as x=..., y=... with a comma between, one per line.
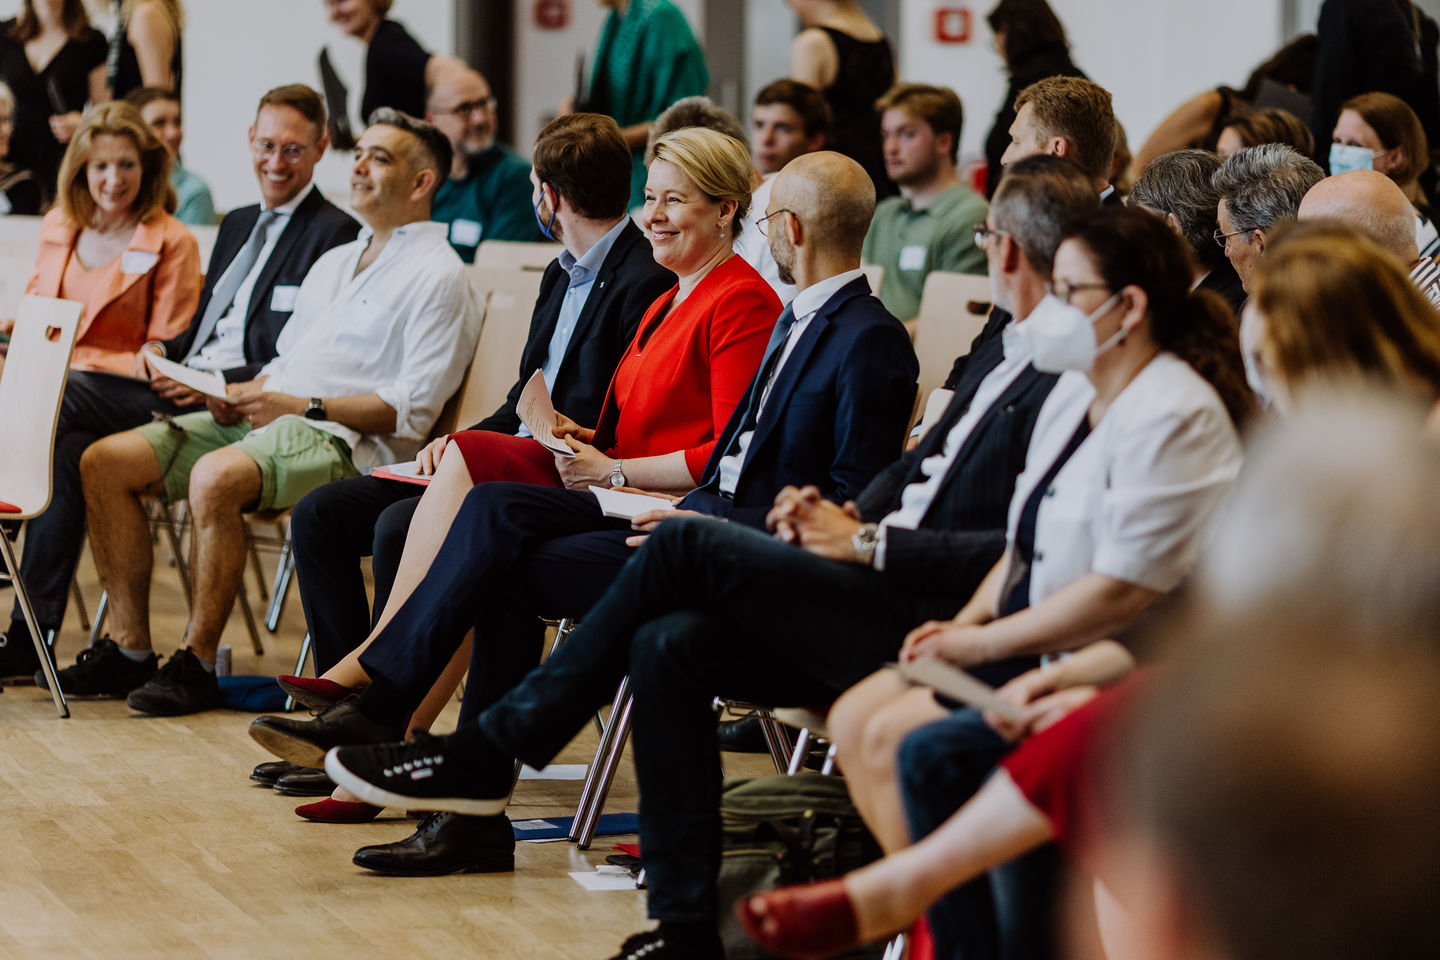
x=95, y=405
x=333, y=528
x=709, y=609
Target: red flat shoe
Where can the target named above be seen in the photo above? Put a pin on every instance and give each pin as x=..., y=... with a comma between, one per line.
x=314, y=692
x=331, y=810
x=808, y=922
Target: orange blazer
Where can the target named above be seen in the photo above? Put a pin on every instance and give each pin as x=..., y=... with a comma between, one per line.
x=154, y=302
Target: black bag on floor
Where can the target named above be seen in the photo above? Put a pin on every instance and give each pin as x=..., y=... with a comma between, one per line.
x=778, y=831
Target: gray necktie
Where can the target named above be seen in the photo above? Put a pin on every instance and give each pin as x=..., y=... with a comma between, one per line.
x=223, y=296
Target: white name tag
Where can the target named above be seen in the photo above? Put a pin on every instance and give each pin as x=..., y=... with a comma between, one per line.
x=138, y=261
x=465, y=233
x=282, y=299
x=912, y=257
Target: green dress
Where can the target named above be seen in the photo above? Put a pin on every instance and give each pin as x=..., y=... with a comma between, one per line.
x=647, y=59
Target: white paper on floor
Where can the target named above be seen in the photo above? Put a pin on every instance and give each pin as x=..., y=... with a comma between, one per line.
x=603, y=879
x=556, y=771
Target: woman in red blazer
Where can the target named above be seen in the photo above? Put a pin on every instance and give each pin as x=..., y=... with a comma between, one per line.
x=692, y=359
x=110, y=244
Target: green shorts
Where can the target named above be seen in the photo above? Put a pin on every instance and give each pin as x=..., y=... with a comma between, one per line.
x=294, y=457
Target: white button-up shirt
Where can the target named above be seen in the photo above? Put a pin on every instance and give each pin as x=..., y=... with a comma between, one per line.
x=404, y=329
x=1136, y=498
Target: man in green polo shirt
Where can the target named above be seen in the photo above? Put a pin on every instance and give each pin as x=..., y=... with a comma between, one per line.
x=488, y=194
x=929, y=226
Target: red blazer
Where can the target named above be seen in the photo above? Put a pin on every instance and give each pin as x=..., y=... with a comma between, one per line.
x=682, y=377
x=154, y=303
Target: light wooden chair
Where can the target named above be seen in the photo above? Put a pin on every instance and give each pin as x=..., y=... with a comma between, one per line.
x=509, y=298
x=31, y=387
x=875, y=274
x=513, y=255
x=953, y=309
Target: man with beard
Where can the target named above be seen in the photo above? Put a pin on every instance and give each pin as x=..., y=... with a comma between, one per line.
x=485, y=197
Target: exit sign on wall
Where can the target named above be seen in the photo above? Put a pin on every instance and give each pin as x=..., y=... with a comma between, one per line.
x=952, y=25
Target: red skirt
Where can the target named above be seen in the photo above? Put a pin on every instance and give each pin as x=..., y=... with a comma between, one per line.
x=502, y=456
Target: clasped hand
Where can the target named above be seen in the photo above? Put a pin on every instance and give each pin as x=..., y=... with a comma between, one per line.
x=802, y=517
x=249, y=401
x=963, y=644
x=1043, y=698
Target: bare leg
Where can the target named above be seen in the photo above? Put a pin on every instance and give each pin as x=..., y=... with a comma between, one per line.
x=115, y=473
x=867, y=724
x=221, y=485
x=438, y=507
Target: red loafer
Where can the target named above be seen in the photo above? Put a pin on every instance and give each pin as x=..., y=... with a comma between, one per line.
x=314, y=692
x=331, y=810
x=808, y=922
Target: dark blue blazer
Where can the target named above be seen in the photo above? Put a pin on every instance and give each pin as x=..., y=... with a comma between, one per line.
x=628, y=282
x=316, y=226
x=835, y=417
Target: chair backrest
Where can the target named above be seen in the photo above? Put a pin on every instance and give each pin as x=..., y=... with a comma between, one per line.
x=509, y=296
x=513, y=255
x=953, y=309
x=875, y=274
x=205, y=236
x=31, y=386
x=19, y=239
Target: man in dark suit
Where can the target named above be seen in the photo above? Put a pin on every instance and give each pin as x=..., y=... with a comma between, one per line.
x=709, y=608
x=250, y=285
x=827, y=406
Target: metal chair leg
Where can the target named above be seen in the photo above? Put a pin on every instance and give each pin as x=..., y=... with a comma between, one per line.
x=797, y=756
x=79, y=599
x=305, y=650
x=828, y=767
x=249, y=616
x=895, y=949
x=258, y=568
x=602, y=768
x=284, y=571
x=42, y=649
x=102, y=610
x=172, y=532
x=777, y=739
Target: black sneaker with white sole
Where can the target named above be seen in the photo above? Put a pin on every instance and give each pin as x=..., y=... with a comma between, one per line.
x=429, y=772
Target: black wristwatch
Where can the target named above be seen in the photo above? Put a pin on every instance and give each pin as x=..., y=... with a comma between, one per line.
x=315, y=410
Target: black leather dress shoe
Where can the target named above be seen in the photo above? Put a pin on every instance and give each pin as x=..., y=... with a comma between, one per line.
x=446, y=843
x=304, y=782
x=745, y=735
x=306, y=741
x=272, y=770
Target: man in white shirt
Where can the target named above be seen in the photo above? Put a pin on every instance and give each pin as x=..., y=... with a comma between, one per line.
x=261, y=255
x=381, y=333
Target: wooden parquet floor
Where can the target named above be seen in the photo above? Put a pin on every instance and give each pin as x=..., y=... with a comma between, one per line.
x=138, y=837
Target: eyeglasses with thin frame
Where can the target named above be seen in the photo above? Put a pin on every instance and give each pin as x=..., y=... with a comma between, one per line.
x=983, y=233
x=290, y=152
x=1066, y=291
x=485, y=104
x=763, y=224
x=1223, y=239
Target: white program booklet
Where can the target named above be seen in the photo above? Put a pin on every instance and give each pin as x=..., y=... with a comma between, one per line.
x=956, y=684
x=407, y=471
x=208, y=382
x=627, y=506
x=538, y=414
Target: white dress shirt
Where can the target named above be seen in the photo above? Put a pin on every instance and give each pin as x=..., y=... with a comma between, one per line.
x=1135, y=499
x=404, y=329
x=225, y=349
x=754, y=248
x=805, y=306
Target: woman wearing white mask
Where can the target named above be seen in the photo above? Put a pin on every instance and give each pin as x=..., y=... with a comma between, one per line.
x=1378, y=131
x=1131, y=454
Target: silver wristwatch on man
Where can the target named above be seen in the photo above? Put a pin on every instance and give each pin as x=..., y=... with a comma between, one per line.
x=865, y=540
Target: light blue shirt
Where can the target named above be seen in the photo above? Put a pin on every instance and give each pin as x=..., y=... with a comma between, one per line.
x=582, y=280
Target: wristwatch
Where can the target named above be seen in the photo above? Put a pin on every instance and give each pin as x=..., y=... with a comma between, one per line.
x=865, y=540
x=315, y=410
x=617, y=475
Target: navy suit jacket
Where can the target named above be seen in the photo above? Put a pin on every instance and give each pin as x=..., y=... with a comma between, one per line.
x=316, y=226
x=628, y=282
x=963, y=532
x=835, y=416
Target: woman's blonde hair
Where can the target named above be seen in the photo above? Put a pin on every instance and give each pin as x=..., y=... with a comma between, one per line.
x=1339, y=308
x=718, y=164
x=117, y=119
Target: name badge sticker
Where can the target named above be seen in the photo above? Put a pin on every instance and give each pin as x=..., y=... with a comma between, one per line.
x=912, y=257
x=282, y=298
x=138, y=261
x=465, y=233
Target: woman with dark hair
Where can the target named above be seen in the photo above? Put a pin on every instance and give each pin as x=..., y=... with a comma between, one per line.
x=1379, y=131
x=1199, y=121
x=1250, y=128
x=396, y=65
x=1130, y=457
x=1032, y=42
x=54, y=63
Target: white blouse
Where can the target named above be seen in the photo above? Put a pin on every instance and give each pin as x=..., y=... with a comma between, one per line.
x=1135, y=499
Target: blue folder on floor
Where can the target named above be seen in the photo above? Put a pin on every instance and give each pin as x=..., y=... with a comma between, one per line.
x=553, y=828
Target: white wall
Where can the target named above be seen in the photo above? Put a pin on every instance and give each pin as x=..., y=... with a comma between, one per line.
x=1151, y=55
x=234, y=52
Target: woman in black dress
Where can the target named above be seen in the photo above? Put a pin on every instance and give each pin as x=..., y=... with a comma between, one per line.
x=843, y=54
x=1031, y=41
x=395, y=63
x=54, y=63
x=145, y=51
